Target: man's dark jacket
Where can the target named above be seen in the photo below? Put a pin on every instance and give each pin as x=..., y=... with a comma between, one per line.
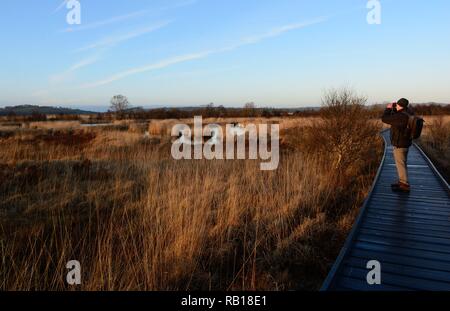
x=400, y=136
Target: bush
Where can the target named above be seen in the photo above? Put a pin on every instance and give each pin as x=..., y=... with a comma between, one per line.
x=345, y=135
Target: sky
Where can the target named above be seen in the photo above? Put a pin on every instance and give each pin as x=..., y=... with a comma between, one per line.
x=283, y=53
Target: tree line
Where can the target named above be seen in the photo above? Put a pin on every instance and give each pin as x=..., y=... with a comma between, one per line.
x=249, y=110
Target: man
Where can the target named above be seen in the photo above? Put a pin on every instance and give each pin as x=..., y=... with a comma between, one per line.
x=396, y=115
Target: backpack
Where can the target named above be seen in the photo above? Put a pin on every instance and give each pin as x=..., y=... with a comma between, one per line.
x=415, y=125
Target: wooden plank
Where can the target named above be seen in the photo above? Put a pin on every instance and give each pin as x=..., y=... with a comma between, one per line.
x=431, y=241
x=412, y=207
x=395, y=242
x=435, y=192
x=400, y=218
x=411, y=197
x=400, y=213
x=391, y=279
x=351, y=284
x=409, y=224
x=386, y=257
x=402, y=251
x=381, y=201
x=402, y=270
x=404, y=229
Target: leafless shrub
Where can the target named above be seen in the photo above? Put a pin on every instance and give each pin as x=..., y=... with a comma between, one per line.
x=345, y=134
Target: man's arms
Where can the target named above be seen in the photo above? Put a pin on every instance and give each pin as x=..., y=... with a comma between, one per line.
x=394, y=118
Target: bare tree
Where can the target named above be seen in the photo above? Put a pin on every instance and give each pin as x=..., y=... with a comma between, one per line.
x=250, y=106
x=249, y=109
x=119, y=103
x=209, y=110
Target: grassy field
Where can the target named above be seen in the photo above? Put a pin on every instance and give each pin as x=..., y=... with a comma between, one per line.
x=138, y=220
x=436, y=143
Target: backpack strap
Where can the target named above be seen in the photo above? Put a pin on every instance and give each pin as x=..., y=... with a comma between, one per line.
x=410, y=124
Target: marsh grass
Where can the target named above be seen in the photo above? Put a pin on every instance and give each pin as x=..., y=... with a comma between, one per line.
x=435, y=141
x=138, y=220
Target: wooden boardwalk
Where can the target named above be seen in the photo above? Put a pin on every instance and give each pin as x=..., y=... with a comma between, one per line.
x=409, y=234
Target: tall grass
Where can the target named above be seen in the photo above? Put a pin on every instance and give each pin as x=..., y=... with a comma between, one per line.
x=138, y=220
x=435, y=141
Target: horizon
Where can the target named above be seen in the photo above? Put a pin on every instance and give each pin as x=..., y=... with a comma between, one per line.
x=188, y=53
x=104, y=108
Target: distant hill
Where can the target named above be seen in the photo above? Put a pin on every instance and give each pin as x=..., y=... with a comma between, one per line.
x=28, y=110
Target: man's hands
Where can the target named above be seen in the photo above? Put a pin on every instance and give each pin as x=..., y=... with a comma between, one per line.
x=390, y=106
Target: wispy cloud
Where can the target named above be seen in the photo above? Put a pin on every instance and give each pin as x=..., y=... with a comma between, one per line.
x=106, y=22
x=60, y=6
x=114, y=40
x=283, y=29
x=84, y=63
x=159, y=65
x=77, y=66
x=121, y=18
x=201, y=55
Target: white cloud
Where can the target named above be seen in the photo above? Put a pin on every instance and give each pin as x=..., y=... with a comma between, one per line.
x=114, y=40
x=60, y=6
x=109, y=21
x=106, y=42
x=281, y=30
x=84, y=63
x=151, y=67
x=195, y=56
x=124, y=17
x=81, y=64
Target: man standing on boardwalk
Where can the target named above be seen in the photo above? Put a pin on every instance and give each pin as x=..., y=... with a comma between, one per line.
x=397, y=115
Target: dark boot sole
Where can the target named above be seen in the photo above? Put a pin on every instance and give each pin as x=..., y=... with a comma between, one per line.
x=399, y=190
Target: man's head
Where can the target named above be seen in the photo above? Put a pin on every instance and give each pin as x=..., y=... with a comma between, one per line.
x=402, y=103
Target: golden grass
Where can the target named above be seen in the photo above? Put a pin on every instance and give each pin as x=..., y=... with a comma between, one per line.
x=54, y=124
x=162, y=128
x=435, y=141
x=138, y=220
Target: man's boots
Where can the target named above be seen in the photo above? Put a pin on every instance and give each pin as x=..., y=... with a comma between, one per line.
x=401, y=187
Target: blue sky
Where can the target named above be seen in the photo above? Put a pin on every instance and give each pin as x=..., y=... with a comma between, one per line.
x=282, y=53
